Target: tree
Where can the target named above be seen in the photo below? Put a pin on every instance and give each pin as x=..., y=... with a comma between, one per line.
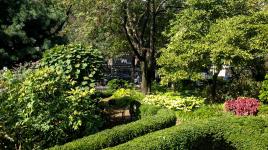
x=143, y=30
x=136, y=25
x=214, y=33
x=27, y=27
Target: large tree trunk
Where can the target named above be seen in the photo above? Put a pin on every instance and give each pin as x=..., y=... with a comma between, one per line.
x=133, y=67
x=146, y=77
x=144, y=49
x=152, y=58
x=148, y=65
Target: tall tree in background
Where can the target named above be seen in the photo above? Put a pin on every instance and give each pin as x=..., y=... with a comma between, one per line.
x=214, y=33
x=27, y=27
x=135, y=25
x=143, y=24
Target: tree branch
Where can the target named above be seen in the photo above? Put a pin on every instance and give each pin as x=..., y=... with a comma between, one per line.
x=129, y=34
x=160, y=5
x=60, y=26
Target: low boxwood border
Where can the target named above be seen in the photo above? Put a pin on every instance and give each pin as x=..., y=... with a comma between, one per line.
x=164, y=118
x=244, y=133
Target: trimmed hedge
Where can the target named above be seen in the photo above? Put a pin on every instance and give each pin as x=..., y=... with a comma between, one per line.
x=123, y=133
x=226, y=133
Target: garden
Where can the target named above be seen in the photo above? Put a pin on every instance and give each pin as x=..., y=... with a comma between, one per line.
x=131, y=74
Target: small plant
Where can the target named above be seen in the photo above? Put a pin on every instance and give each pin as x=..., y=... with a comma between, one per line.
x=242, y=106
x=116, y=84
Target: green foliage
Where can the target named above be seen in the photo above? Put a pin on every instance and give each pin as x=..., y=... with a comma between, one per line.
x=116, y=84
x=80, y=63
x=207, y=35
x=27, y=28
x=215, y=33
x=147, y=110
x=48, y=109
x=264, y=91
x=124, y=98
x=174, y=102
x=133, y=94
x=123, y=133
x=158, y=88
x=104, y=25
x=203, y=113
x=10, y=83
x=225, y=133
x=243, y=87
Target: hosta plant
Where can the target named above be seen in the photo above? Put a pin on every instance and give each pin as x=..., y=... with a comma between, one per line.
x=174, y=102
x=242, y=106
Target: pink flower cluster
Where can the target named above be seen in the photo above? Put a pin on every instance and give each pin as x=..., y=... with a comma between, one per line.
x=242, y=106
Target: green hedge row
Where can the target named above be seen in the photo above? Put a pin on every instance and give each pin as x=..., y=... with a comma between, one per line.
x=226, y=133
x=164, y=118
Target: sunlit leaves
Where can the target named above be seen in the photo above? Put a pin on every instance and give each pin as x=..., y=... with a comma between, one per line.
x=214, y=32
x=80, y=63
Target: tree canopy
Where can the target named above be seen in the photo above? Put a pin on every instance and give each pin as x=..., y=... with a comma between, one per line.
x=28, y=27
x=213, y=33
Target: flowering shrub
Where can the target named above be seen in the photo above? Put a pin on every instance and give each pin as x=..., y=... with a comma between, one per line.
x=242, y=106
x=174, y=102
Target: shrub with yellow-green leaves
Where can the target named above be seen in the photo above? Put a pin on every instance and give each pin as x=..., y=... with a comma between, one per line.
x=134, y=94
x=50, y=110
x=175, y=102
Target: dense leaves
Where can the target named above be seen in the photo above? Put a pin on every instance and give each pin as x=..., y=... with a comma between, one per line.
x=220, y=133
x=27, y=27
x=264, y=91
x=120, y=134
x=214, y=33
x=80, y=64
x=116, y=84
x=210, y=35
x=48, y=109
x=176, y=102
x=242, y=106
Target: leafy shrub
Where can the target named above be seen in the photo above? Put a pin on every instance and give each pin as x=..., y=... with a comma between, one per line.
x=123, y=133
x=218, y=133
x=243, y=106
x=133, y=94
x=49, y=110
x=10, y=83
x=158, y=88
x=264, y=91
x=125, y=97
x=174, y=102
x=82, y=64
x=116, y=84
x=243, y=86
x=203, y=113
x=147, y=110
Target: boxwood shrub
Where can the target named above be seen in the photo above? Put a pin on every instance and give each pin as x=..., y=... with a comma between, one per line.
x=164, y=118
x=226, y=133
